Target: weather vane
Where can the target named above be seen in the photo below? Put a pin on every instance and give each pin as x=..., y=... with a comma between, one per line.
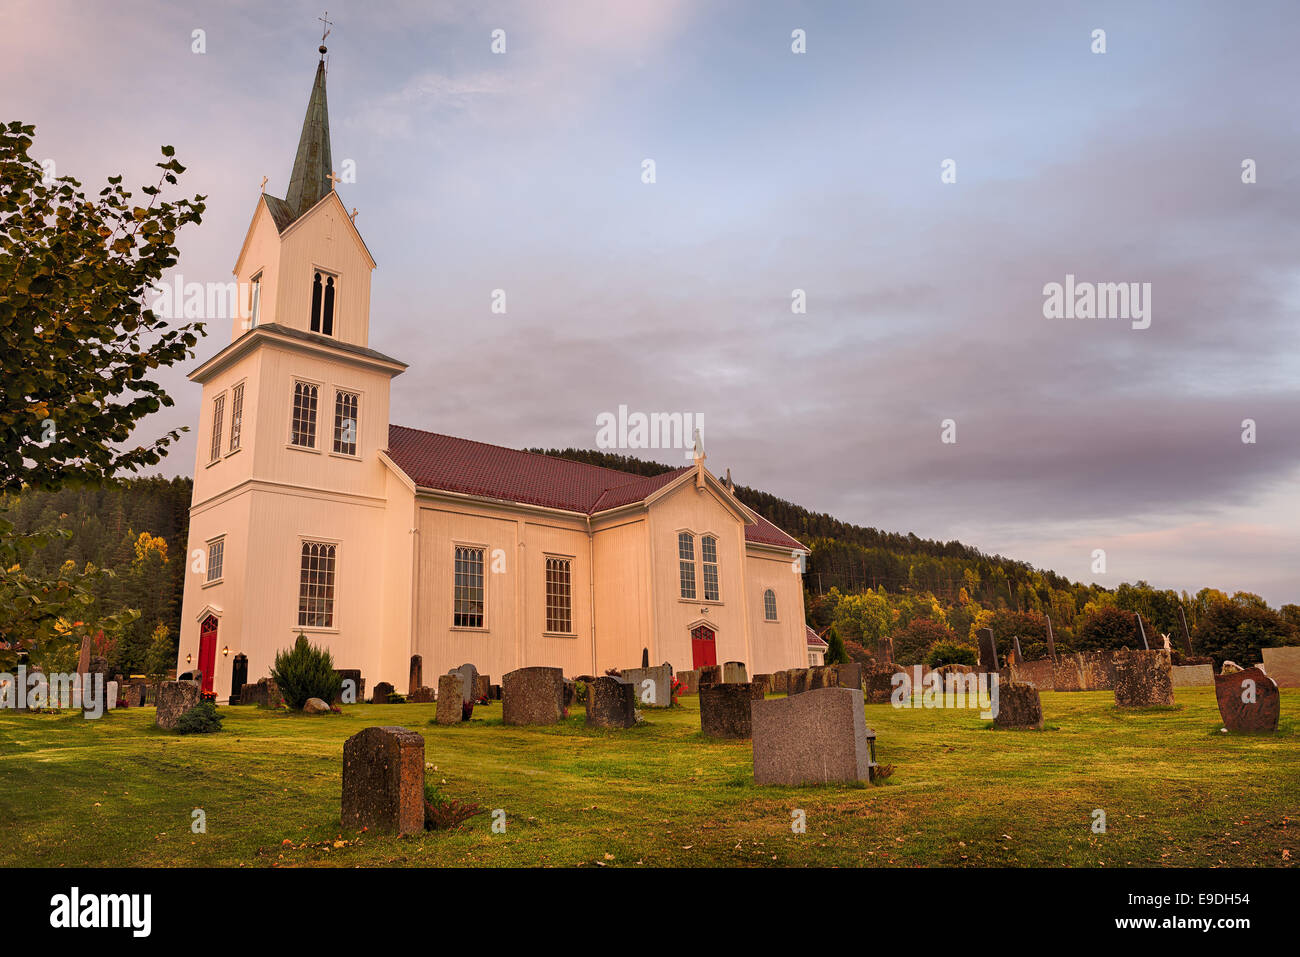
x=326, y=32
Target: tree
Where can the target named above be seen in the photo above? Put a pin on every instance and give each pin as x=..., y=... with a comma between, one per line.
x=1236, y=631
x=1107, y=628
x=836, y=653
x=76, y=341
x=912, y=642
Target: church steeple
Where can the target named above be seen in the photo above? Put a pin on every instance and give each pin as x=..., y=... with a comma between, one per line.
x=310, y=181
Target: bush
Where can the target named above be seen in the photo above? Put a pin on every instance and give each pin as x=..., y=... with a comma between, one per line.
x=306, y=672
x=920, y=634
x=948, y=652
x=580, y=692
x=200, y=719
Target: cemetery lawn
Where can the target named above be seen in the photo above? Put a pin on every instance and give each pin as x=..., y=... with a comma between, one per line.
x=1175, y=791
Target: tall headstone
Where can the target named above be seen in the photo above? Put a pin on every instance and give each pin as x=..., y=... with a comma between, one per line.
x=238, y=676
x=416, y=679
x=451, y=703
x=1146, y=645
x=988, y=651
x=1187, y=638
x=645, y=657
x=1020, y=655
x=1051, y=640
x=817, y=737
x=470, y=674
x=383, y=781
x=532, y=696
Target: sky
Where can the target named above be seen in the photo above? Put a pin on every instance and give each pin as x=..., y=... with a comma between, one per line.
x=777, y=171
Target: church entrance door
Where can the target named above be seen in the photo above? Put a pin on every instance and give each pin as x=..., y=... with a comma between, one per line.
x=208, y=650
x=704, y=649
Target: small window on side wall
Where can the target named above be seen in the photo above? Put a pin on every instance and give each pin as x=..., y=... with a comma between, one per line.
x=769, y=605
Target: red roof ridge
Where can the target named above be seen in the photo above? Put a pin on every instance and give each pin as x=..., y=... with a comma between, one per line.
x=632, y=476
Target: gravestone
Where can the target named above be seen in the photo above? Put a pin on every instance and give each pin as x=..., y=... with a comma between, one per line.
x=764, y=684
x=817, y=737
x=988, y=651
x=482, y=688
x=885, y=650
x=1192, y=676
x=238, y=676
x=111, y=689
x=383, y=781
x=1187, y=638
x=878, y=685
x=382, y=691
x=659, y=692
x=725, y=710
x=1051, y=640
x=798, y=682
x=1283, y=666
x=1019, y=706
x=848, y=675
x=494, y=692
x=710, y=675
x=1143, y=679
x=532, y=696
x=734, y=672
x=1020, y=655
x=358, y=685
x=470, y=674
x=83, y=658
x=174, y=699
x=780, y=682
x=645, y=657
x=611, y=702
x=416, y=679
x=451, y=699
x=690, y=681
x=1248, y=700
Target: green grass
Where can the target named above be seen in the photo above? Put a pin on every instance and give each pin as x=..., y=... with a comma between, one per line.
x=1176, y=792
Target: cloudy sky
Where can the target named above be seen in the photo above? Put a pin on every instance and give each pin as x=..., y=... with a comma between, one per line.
x=778, y=171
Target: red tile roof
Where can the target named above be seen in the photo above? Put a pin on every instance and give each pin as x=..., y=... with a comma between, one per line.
x=814, y=639
x=449, y=464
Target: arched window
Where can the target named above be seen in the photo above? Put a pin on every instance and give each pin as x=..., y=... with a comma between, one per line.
x=316, y=585
x=322, y=303
x=709, y=553
x=316, y=293
x=686, y=563
x=769, y=605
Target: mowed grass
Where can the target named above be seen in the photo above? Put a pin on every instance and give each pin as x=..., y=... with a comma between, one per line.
x=1175, y=792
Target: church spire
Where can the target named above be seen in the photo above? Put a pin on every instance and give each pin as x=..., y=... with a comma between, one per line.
x=310, y=181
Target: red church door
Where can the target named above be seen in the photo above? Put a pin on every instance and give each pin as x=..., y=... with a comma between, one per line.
x=704, y=650
x=208, y=650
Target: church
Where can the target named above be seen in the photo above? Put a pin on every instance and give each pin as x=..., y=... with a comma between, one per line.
x=315, y=515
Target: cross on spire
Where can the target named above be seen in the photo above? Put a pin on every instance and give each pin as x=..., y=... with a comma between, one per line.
x=334, y=180
x=264, y=182
x=328, y=23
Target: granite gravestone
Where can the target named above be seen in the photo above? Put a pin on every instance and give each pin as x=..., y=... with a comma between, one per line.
x=725, y=710
x=1019, y=706
x=988, y=651
x=383, y=781
x=654, y=686
x=174, y=699
x=1248, y=700
x=817, y=737
x=611, y=702
x=532, y=696
x=451, y=703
